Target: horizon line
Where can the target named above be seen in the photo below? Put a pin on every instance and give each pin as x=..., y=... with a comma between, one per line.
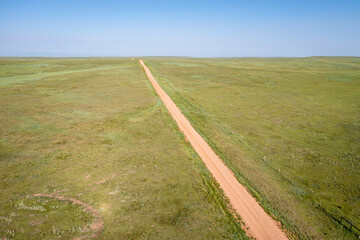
x=172, y=56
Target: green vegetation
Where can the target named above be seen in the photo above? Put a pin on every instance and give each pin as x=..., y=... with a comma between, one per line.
x=288, y=127
x=94, y=130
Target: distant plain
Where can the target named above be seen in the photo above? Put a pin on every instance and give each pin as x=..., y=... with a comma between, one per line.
x=94, y=130
x=288, y=127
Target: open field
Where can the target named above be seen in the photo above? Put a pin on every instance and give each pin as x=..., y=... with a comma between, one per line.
x=257, y=222
x=289, y=129
x=88, y=149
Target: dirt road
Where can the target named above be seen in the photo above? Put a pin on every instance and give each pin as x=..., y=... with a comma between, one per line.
x=260, y=224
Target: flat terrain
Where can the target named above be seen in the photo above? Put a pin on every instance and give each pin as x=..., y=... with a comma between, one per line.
x=88, y=149
x=257, y=222
x=288, y=127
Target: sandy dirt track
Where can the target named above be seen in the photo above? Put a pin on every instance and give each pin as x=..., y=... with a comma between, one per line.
x=260, y=225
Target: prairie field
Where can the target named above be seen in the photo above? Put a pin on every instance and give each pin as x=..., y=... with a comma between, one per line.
x=289, y=128
x=143, y=120
x=87, y=150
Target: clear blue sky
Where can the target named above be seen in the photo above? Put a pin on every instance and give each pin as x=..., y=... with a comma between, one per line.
x=183, y=28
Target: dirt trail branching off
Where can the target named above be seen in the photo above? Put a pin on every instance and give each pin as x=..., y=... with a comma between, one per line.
x=260, y=225
x=96, y=227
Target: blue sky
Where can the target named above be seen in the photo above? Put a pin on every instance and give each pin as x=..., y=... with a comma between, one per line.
x=233, y=28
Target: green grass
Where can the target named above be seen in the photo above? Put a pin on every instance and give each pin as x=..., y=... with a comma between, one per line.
x=94, y=130
x=288, y=127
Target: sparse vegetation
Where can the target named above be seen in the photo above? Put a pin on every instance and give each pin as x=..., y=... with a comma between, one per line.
x=94, y=130
x=288, y=127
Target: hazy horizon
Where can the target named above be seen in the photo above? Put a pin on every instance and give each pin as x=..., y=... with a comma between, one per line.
x=154, y=56
x=192, y=29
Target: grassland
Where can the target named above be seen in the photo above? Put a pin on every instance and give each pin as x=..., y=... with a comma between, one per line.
x=288, y=127
x=93, y=130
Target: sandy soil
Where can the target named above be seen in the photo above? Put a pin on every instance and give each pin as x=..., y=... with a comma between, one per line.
x=260, y=225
